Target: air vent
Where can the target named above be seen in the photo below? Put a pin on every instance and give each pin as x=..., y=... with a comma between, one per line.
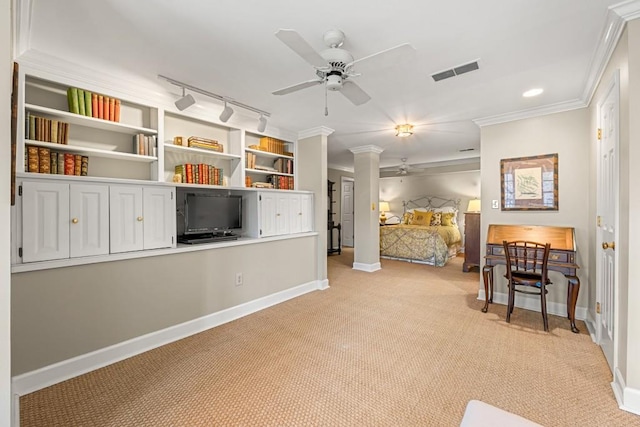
x=456, y=71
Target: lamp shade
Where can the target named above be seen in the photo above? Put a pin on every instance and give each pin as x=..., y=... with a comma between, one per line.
x=474, y=205
x=384, y=206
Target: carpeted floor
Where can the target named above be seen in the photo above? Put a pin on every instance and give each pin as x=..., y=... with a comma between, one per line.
x=404, y=346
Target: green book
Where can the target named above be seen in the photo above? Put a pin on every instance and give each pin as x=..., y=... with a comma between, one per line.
x=81, y=102
x=87, y=103
x=72, y=94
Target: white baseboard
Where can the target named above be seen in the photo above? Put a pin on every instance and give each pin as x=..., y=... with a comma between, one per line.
x=61, y=371
x=591, y=327
x=323, y=284
x=628, y=398
x=530, y=302
x=369, y=268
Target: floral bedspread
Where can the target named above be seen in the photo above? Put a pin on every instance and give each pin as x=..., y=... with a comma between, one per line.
x=419, y=243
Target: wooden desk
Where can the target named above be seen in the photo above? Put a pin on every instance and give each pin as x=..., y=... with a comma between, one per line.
x=562, y=257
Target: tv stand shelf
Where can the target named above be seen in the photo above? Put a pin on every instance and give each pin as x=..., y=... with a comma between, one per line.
x=207, y=238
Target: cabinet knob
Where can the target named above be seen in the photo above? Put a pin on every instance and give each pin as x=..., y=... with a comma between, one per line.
x=277, y=214
x=74, y=220
x=299, y=213
x=139, y=218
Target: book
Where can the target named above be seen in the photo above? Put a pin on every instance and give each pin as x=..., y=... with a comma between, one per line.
x=77, y=164
x=60, y=163
x=100, y=106
x=33, y=159
x=72, y=94
x=54, y=131
x=116, y=117
x=69, y=164
x=54, y=163
x=32, y=127
x=105, y=107
x=94, y=105
x=44, y=159
x=88, y=106
x=84, y=166
x=112, y=109
x=81, y=110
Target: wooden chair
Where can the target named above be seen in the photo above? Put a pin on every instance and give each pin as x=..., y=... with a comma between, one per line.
x=527, y=273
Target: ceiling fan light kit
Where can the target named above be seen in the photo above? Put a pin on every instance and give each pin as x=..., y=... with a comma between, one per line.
x=404, y=131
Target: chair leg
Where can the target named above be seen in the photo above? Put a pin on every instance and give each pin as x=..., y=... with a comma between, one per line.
x=509, y=302
x=543, y=307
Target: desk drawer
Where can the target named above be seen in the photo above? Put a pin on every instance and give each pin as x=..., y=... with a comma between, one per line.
x=554, y=256
x=559, y=257
x=495, y=250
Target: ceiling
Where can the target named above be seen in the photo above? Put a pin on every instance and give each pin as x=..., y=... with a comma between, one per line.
x=228, y=47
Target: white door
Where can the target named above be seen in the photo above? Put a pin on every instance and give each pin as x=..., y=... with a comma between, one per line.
x=282, y=214
x=45, y=221
x=608, y=114
x=126, y=216
x=295, y=213
x=267, y=211
x=89, y=225
x=159, y=221
x=346, y=209
x=306, y=207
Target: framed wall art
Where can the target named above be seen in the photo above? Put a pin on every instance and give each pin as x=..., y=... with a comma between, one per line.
x=530, y=183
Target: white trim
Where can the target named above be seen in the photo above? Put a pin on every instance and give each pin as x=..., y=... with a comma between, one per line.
x=558, y=107
x=369, y=268
x=532, y=303
x=340, y=168
x=367, y=149
x=23, y=10
x=628, y=10
x=15, y=413
x=591, y=327
x=70, y=368
x=628, y=398
x=323, y=284
x=318, y=131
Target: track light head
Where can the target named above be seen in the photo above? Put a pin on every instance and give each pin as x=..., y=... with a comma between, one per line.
x=262, y=123
x=226, y=113
x=185, y=102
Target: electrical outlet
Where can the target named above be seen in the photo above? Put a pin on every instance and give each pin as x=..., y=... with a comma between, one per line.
x=238, y=279
x=494, y=204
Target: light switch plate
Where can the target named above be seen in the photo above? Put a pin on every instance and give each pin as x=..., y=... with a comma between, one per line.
x=494, y=204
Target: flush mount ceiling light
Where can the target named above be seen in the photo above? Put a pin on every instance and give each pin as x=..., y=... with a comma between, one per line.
x=404, y=130
x=185, y=101
x=532, y=92
x=226, y=113
x=262, y=123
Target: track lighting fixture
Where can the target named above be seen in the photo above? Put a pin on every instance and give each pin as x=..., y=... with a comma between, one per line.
x=262, y=123
x=226, y=113
x=185, y=102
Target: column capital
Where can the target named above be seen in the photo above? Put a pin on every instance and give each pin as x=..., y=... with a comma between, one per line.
x=318, y=131
x=367, y=149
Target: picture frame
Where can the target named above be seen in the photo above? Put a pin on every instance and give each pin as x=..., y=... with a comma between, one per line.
x=529, y=183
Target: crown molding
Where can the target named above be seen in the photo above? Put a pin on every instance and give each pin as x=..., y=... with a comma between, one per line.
x=317, y=131
x=367, y=149
x=23, y=10
x=340, y=168
x=617, y=16
x=558, y=107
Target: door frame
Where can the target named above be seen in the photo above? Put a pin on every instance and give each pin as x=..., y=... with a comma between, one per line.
x=613, y=86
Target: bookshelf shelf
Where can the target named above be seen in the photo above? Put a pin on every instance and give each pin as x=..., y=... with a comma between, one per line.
x=263, y=172
x=93, y=151
x=91, y=122
x=201, y=151
x=267, y=154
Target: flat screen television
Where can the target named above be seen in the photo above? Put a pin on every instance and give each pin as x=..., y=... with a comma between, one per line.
x=208, y=213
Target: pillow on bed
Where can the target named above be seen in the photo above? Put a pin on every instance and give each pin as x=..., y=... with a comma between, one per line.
x=448, y=209
x=436, y=219
x=421, y=217
x=406, y=218
x=448, y=218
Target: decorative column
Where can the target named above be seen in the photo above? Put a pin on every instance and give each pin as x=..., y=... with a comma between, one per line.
x=311, y=175
x=366, y=189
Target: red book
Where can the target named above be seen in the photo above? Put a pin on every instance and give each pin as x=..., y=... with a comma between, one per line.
x=69, y=164
x=105, y=108
x=94, y=105
x=116, y=117
x=112, y=109
x=100, y=107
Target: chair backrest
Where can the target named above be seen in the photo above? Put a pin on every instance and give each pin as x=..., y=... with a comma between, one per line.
x=526, y=256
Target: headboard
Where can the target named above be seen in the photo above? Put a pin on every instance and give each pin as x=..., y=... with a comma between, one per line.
x=430, y=203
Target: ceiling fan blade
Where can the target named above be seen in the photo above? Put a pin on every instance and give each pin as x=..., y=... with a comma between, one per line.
x=354, y=93
x=298, y=86
x=386, y=57
x=300, y=46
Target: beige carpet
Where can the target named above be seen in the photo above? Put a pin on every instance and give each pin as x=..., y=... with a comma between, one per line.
x=404, y=346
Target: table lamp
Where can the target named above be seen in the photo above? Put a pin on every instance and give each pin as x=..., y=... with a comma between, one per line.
x=384, y=207
x=474, y=205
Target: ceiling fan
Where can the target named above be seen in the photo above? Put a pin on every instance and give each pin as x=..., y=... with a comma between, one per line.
x=334, y=67
x=403, y=169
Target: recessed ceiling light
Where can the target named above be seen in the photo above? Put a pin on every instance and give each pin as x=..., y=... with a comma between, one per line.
x=532, y=92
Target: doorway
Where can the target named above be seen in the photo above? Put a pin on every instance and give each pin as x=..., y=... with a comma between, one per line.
x=346, y=210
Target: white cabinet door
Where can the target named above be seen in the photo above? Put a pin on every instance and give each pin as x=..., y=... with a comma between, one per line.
x=45, y=221
x=283, y=214
x=126, y=216
x=306, y=208
x=159, y=222
x=89, y=220
x=268, y=211
x=295, y=213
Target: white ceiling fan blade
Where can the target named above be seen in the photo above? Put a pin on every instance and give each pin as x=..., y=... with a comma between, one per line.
x=300, y=46
x=386, y=57
x=298, y=86
x=354, y=93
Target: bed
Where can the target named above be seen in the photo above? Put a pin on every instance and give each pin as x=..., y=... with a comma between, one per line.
x=427, y=233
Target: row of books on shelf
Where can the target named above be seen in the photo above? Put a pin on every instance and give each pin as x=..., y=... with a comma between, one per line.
x=283, y=165
x=279, y=165
x=145, y=145
x=44, y=129
x=200, y=173
x=272, y=145
x=92, y=104
x=281, y=182
x=45, y=160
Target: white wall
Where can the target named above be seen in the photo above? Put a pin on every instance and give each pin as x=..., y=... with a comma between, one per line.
x=5, y=163
x=566, y=134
